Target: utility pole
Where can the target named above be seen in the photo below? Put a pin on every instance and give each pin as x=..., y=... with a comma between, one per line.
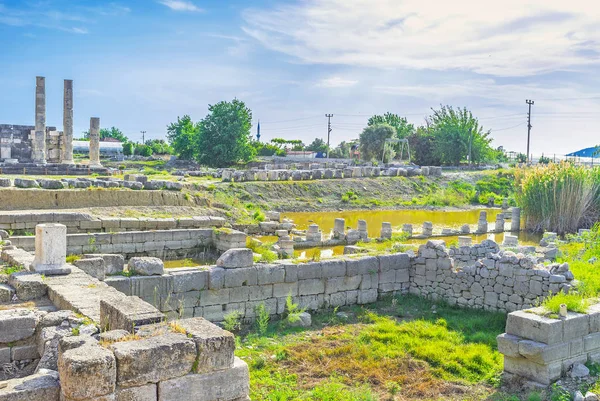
x=530, y=103
x=328, y=131
x=143, y=137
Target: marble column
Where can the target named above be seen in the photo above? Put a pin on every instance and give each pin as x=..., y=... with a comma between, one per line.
x=95, y=142
x=39, y=137
x=67, y=146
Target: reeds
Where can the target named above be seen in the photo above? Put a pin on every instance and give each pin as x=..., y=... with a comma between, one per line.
x=559, y=197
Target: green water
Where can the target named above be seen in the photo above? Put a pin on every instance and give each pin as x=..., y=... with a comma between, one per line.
x=374, y=218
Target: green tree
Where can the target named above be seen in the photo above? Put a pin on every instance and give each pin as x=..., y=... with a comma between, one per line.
x=372, y=141
x=318, y=145
x=342, y=151
x=143, y=150
x=400, y=124
x=224, y=137
x=182, y=136
x=266, y=149
x=159, y=147
x=128, y=148
x=111, y=132
x=422, y=147
x=453, y=130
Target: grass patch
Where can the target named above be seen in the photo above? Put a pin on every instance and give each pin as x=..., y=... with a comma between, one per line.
x=575, y=302
x=401, y=346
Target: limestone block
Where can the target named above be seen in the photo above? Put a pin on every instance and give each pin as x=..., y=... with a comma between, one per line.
x=113, y=264
x=25, y=183
x=542, y=353
x=16, y=325
x=306, y=271
x=311, y=287
x=333, y=268
x=92, y=266
x=534, y=327
x=146, y=266
x=236, y=258
x=190, y=280
x=575, y=326
x=149, y=392
x=366, y=265
x=87, y=372
x=247, y=276
x=394, y=262
x=214, y=345
x=50, y=249
x=231, y=384
x=270, y=274
x=127, y=313
x=508, y=345
x=42, y=386
x=544, y=374
x=153, y=359
x=6, y=293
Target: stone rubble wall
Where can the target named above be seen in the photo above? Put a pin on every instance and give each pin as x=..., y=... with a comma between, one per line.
x=496, y=280
x=84, y=223
x=164, y=244
x=542, y=349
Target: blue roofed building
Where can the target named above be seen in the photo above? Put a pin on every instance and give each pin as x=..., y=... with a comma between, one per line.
x=594, y=151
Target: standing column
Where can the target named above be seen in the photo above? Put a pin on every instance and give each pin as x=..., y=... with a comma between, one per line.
x=67, y=156
x=39, y=137
x=515, y=222
x=95, y=142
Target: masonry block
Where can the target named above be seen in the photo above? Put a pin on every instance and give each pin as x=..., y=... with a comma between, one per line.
x=214, y=345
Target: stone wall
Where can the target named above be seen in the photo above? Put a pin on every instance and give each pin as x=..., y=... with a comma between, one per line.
x=164, y=244
x=85, y=223
x=496, y=281
x=542, y=349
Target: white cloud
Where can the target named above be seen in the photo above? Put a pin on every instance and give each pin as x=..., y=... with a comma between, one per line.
x=180, y=5
x=336, y=82
x=507, y=38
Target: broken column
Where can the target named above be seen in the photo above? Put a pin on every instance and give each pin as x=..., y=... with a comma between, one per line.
x=50, y=249
x=339, y=226
x=482, y=224
x=39, y=135
x=313, y=234
x=515, y=222
x=386, y=230
x=362, y=229
x=511, y=240
x=95, y=142
x=499, y=223
x=286, y=246
x=427, y=228
x=67, y=146
x=408, y=229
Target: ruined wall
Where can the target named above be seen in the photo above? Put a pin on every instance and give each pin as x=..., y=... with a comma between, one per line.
x=498, y=281
x=18, y=139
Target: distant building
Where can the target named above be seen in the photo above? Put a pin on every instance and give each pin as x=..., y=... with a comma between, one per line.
x=108, y=148
x=587, y=152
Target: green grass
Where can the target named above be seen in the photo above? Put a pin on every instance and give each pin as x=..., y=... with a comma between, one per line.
x=8, y=270
x=396, y=346
x=575, y=302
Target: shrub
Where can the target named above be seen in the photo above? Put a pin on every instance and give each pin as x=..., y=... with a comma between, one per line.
x=292, y=310
x=232, y=321
x=262, y=319
x=559, y=197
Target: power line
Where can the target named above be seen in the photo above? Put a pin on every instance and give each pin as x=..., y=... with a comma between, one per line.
x=295, y=119
x=504, y=129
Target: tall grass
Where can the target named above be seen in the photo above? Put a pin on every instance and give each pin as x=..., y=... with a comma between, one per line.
x=559, y=197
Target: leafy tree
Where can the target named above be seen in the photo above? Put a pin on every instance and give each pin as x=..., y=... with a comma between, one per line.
x=224, y=137
x=266, y=149
x=159, y=147
x=400, y=124
x=128, y=148
x=544, y=160
x=143, y=150
x=453, y=130
x=111, y=132
x=521, y=158
x=422, y=147
x=182, y=136
x=318, y=145
x=372, y=141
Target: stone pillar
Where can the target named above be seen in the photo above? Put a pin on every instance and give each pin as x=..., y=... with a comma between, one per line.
x=67, y=154
x=499, y=223
x=464, y=240
x=482, y=224
x=339, y=228
x=386, y=230
x=408, y=229
x=95, y=142
x=313, y=234
x=39, y=136
x=286, y=246
x=362, y=229
x=511, y=240
x=51, y=249
x=515, y=222
x=465, y=229
x=427, y=228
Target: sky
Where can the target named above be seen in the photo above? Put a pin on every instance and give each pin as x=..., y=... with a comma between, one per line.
x=139, y=64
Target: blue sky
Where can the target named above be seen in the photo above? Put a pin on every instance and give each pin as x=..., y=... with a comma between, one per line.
x=139, y=64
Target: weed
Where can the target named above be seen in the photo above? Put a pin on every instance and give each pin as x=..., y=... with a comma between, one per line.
x=232, y=321
x=575, y=302
x=75, y=331
x=73, y=258
x=292, y=310
x=262, y=319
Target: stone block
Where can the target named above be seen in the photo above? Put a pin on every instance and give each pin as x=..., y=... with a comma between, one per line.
x=231, y=385
x=214, y=345
x=591, y=342
x=153, y=359
x=113, y=264
x=149, y=392
x=24, y=352
x=575, y=326
x=544, y=374
x=394, y=261
x=333, y=268
x=311, y=287
x=270, y=274
x=534, y=327
x=308, y=271
x=236, y=258
x=50, y=249
x=189, y=280
x=366, y=265
x=42, y=386
x=542, y=353
x=241, y=277
x=215, y=297
x=508, y=345
x=120, y=283
x=146, y=266
x=87, y=372
x=92, y=266
x=127, y=313
x=16, y=325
